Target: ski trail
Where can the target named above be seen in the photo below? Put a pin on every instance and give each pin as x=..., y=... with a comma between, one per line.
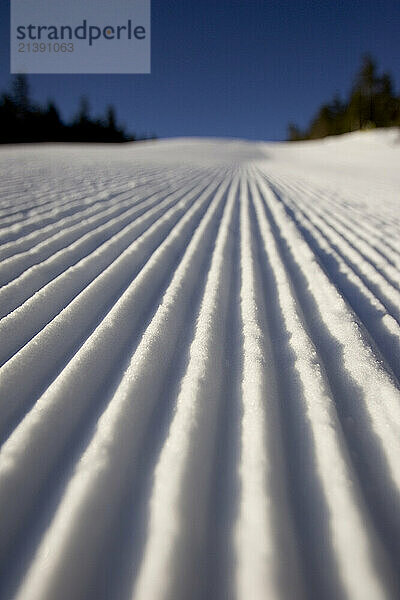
x=340, y=492
x=101, y=473
x=384, y=329
x=350, y=221
x=28, y=319
x=372, y=421
x=183, y=470
x=259, y=518
x=17, y=259
x=199, y=370
x=80, y=312
x=135, y=189
x=359, y=360
x=35, y=277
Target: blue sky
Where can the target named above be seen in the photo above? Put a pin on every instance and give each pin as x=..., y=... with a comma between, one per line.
x=235, y=68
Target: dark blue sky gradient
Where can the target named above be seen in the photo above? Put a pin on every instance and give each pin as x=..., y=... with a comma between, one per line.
x=237, y=68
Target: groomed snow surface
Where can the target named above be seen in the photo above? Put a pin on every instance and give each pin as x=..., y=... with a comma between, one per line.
x=200, y=363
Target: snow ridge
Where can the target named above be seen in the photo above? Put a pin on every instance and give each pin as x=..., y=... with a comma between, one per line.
x=199, y=376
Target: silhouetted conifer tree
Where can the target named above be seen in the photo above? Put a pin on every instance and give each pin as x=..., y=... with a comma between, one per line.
x=23, y=121
x=294, y=133
x=372, y=103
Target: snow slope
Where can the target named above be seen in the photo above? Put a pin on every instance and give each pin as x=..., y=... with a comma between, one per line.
x=200, y=363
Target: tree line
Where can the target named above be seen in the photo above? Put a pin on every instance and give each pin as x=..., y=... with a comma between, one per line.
x=371, y=103
x=23, y=121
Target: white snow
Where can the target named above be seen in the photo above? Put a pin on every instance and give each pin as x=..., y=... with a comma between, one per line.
x=199, y=370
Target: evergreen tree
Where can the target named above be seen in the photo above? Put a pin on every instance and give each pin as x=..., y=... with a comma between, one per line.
x=361, y=102
x=372, y=103
x=20, y=93
x=83, y=114
x=386, y=104
x=322, y=125
x=294, y=133
x=22, y=121
x=52, y=125
x=111, y=119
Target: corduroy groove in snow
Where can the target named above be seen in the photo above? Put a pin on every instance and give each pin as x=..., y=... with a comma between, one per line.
x=199, y=371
